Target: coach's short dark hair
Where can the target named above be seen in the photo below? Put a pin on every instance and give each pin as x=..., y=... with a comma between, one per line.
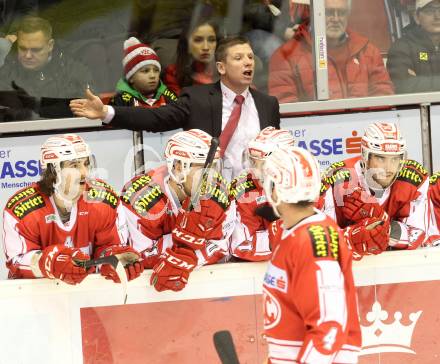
x=33, y=24
x=225, y=43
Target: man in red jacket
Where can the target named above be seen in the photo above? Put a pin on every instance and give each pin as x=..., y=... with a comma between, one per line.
x=355, y=66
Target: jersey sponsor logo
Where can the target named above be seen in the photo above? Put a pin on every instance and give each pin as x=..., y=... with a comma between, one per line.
x=337, y=176
x=325, y=241
x=149, y=198
x=272, y=310
x=218, y=193
x=241, y=185
x=134, y=186
x=20, y=196
x=102, y=195
x=98, y=183
x=423, y=56
x=276, y=278
x=25, y=207
x=411, y=176
x=416, y=165
x=434, y=178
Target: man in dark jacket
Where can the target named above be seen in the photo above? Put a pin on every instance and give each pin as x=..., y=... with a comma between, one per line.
x=39, y=70
x=414, y=60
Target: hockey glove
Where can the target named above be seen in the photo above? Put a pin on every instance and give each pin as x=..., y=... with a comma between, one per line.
x=194, y=228
x=173, y=269
x=57, y=261
x=356, y=209
x=128, y=257
x=369, y=236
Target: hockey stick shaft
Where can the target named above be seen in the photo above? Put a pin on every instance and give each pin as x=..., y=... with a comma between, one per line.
x=205, y=172
x=225, y=347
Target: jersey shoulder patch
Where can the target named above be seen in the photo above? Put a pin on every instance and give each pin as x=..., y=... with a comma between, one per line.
x=434, y=178
x=142, y=193
x=324, y=240
x=241, y=185
x=25, y=201
x=217, y=190
x=100, y=191
x=336, y=173
x=412, y=172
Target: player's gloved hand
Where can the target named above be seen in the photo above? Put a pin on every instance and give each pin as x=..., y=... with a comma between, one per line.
x=369, y=236
x=173, y=269
x=193, y=228
x=266, y=212
x=58, y=261
x=129, y=258
x=356, y=208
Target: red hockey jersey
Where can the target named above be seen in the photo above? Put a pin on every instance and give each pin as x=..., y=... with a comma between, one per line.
x=405, y=201
x=31, y=223
x=151, y=209
x=310, y=310
x=250, y=238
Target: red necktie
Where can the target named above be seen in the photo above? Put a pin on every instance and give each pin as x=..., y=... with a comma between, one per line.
x=231, y=125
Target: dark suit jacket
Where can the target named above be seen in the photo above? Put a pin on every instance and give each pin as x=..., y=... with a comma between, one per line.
x=198, y=107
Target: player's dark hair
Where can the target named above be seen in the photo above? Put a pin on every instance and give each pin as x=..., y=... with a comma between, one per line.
x=47, y=181
x=225, y=43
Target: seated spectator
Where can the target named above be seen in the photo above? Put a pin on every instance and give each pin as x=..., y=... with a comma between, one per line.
x=39, y=68
x=379, y=198
x=195, y=64
x=355, y=66
x=414, y=60
x=54, y=225
x=141, y=85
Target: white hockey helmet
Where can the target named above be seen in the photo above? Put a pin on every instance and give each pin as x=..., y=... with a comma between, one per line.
x=294, y=175
x=267, y=141
x=62, y=148
x=382, y=138
x=188, y=147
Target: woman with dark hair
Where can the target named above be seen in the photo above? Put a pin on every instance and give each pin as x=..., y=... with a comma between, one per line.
x=195, y=63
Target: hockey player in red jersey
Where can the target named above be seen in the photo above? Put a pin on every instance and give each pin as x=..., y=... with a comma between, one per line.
x=250, y=239
x=64, y=219
x=173, y=237
x=380, y=197
x=310, y=312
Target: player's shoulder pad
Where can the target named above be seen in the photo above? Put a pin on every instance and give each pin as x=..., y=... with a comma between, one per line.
x=412, y=172
x=338, y=172
x=25, y=201
x=434, y=178
x=324, y=240
x=242, y=184
x=142, y=193
x=100, y=191
x=218, y=190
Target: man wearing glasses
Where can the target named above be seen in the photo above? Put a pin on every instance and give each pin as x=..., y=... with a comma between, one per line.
x=355, y=66
x=414, y=59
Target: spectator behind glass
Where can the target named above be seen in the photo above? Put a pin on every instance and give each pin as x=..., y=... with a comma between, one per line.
x=355, y=66
x=36, y=69
x=141, y=85
x=414, y=59
x=195, y=64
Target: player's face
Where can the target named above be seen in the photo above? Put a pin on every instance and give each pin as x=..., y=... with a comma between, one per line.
x=146, y=79
x=237, y=70
x=429, y=17
x=383, y=168
x=202, y=43
x=336, y=18
x=73, y=177
x=257, y=167
x=34, y=49
x=193, y=178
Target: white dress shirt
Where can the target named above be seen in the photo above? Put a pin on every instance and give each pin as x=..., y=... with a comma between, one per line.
x=248, y=128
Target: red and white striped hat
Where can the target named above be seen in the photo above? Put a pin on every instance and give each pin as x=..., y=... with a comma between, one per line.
x=136, y=56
